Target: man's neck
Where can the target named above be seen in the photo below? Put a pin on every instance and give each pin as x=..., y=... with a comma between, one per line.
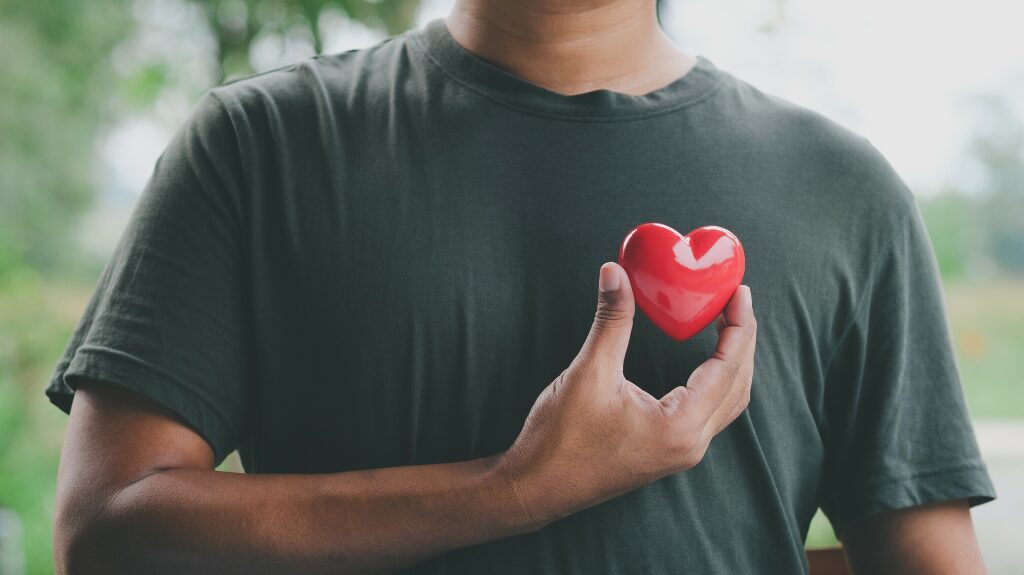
x=572, y=46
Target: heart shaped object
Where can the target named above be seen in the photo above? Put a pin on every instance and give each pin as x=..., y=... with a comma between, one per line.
x=682, y=282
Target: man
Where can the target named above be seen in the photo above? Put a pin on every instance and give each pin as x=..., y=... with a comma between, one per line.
x=372, y=274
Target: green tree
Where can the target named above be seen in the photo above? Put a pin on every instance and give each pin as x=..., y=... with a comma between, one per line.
x=952, y=221
x=53, y=82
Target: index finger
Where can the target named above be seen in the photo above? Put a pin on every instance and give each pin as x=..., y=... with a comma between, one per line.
x=733, y=349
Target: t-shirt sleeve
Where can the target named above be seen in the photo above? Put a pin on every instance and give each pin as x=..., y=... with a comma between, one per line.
x=168, y=318
x=897, y=431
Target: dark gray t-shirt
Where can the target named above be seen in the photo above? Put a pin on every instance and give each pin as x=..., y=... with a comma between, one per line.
x=380, y=257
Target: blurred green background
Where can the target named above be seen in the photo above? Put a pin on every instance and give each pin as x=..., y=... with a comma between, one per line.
x=83, y=85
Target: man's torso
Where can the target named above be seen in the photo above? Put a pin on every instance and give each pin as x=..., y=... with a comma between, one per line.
x=423, y=261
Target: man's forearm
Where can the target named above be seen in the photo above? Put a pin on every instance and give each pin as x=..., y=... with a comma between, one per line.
x=374, y=521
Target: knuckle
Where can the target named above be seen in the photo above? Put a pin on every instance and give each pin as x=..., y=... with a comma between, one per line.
x=608, y=315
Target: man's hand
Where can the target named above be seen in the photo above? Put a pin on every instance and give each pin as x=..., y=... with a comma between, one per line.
x=593, y=435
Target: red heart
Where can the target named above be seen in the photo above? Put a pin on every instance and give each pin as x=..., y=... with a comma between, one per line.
x=682, y=282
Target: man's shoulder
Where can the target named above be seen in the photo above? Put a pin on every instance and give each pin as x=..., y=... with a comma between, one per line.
x=308, y=85
x=815, y=154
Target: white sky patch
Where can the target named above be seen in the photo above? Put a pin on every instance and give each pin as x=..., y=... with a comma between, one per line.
x=131, y=148
x=341, y=33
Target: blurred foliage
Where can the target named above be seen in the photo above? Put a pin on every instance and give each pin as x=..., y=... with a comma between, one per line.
x=820, y=533
x=981, y=234
x=58, y=78
x=36, y=318
x=953, y=223
x=54, y=79
x=987, y=319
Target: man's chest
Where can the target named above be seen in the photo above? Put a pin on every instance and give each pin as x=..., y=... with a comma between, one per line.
x=414, y=309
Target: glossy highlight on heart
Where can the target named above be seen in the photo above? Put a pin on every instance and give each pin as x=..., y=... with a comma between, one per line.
x=682, y=282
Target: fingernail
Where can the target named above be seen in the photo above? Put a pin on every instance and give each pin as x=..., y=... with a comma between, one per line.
x=747, y=300
x=609, y=280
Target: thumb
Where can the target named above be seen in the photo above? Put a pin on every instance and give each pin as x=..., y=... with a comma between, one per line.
x=613, y=320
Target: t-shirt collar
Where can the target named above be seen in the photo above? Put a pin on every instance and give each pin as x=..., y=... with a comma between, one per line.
x=488, y=79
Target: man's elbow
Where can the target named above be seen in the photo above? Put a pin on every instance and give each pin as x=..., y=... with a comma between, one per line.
x=87, y=537
x=117, y=445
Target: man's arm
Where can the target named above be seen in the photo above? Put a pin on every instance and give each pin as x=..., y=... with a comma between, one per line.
x=932, y=539
x=137, y=491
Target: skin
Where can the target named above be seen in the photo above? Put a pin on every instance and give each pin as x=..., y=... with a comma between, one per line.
x=932, y=539
x=137, y=491
x=572, y=46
